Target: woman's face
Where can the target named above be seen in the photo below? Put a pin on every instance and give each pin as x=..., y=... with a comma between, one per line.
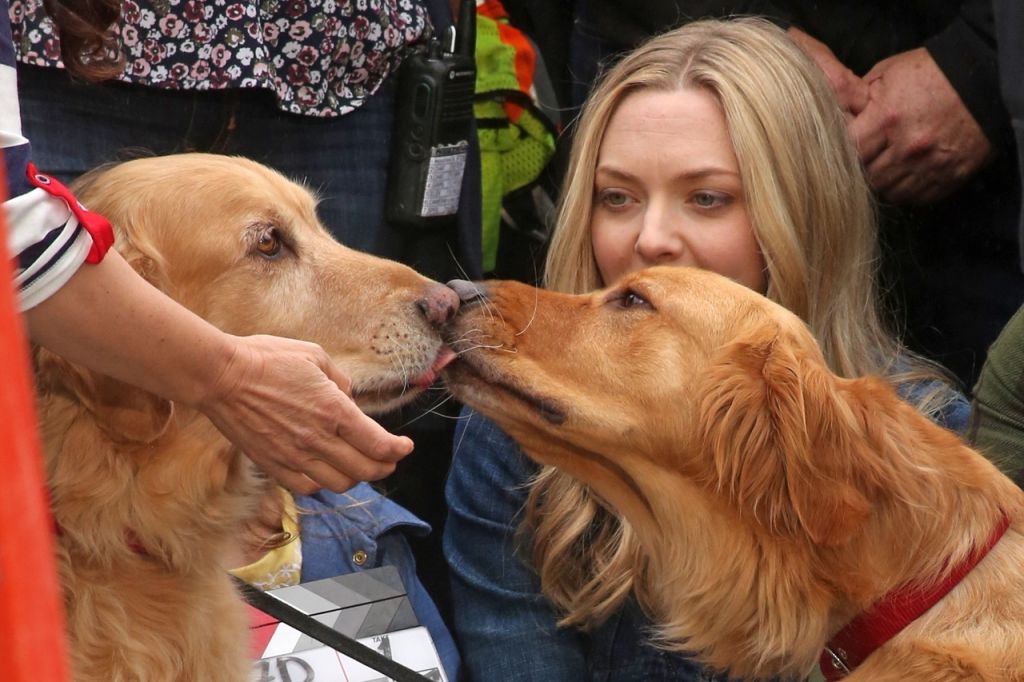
x=667, y=191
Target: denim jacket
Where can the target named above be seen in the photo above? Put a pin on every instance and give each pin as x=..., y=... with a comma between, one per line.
x=361, y=529
x=504, y=625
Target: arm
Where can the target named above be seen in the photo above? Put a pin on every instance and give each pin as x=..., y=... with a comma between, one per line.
x=997, y=421
x=504, y=626
x=280, y=400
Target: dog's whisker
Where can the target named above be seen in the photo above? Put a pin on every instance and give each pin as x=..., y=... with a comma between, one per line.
x=458, y=445
x=495, y=311
x=404, y=374
x=498, y=346
x=474, y=330
x=458, y=266
x=226, y=509
x=433, y=409
x=477, y=341
x=491, y=309
x=533, y=315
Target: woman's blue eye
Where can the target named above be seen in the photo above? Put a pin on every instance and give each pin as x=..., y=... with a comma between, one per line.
x=613, y=199
x=709, y=199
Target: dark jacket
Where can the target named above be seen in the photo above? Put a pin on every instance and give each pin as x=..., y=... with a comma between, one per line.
x=960, y=36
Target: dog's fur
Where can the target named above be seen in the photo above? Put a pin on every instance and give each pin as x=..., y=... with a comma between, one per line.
x=774, y=500
x=128, y=469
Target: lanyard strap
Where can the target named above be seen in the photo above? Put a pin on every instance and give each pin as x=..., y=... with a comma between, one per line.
x=344, y=644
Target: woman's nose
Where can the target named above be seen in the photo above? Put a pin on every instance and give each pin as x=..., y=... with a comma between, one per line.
x=660, y=239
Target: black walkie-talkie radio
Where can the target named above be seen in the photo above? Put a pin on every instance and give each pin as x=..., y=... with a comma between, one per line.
x=433, y=125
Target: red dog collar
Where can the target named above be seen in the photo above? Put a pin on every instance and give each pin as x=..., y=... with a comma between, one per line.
x=896, y=610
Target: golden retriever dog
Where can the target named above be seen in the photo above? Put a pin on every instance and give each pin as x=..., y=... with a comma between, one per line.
x=148, y=497
x=778, y=505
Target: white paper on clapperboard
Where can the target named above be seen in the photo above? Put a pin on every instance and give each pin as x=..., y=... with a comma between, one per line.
x=413, y=648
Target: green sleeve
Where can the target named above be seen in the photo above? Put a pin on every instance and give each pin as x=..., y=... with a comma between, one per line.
x=997, y=419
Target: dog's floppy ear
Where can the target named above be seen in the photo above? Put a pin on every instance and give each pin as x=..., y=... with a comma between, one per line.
x=125, y=413
x=125, y=210
x=775, y=431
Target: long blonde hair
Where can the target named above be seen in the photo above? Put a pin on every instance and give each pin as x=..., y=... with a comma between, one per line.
x=812, y=214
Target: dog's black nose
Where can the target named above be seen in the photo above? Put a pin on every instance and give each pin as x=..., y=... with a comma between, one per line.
x=469, y=292
x=439, y=304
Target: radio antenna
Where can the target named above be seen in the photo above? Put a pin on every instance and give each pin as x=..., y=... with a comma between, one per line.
x=465, y=36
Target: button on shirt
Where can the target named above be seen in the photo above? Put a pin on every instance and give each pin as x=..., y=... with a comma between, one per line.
x=361, y=529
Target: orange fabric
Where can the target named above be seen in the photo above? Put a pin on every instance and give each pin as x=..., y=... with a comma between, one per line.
x=526, y=58
x=31, y=617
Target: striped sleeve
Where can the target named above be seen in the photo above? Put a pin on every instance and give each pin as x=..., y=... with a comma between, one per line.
x=49, y=233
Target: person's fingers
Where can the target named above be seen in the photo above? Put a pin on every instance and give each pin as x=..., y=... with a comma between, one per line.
x=855, y=97
x=370, y=438
x=868, y=134
x=904, y=183
x=884, y=171
x=363, y=433
x=295, y=481
x=852, y=92
x=915, y=189
x=906, y=190
x=876, y=72
x=336, y=375
x=328, y=476
x=327, y=461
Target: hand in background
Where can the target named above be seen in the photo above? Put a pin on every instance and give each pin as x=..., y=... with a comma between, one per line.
x=286, y=405
x=850, y=90
x=916, y=137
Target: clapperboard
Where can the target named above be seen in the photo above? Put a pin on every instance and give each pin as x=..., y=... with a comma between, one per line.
x=370, y=606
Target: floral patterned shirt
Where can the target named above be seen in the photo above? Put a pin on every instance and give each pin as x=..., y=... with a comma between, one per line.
x=320, y=57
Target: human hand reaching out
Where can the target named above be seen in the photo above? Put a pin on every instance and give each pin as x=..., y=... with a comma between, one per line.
x=915, y=136
x=281, y=401
x=286, y=405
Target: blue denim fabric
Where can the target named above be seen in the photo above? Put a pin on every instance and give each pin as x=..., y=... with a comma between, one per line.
x=336, y=526
x=76, y=127
x=504, y=626
x=953, y=416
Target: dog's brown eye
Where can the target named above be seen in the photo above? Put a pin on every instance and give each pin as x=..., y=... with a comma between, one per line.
x=631, y=299
x=269, y=244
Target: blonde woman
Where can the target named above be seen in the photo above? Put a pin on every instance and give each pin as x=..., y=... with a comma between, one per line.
x=717, y=145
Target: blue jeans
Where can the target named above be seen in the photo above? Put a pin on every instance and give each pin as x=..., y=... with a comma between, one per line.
x=74, y=127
